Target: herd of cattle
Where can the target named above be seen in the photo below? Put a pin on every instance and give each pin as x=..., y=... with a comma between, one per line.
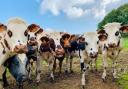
x=21, y=45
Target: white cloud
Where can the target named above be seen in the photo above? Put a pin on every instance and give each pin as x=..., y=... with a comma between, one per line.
x=77, y=8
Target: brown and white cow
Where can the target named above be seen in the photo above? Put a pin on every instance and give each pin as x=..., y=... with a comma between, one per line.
x=31, y=33
x=89, y=54
x=110, y=44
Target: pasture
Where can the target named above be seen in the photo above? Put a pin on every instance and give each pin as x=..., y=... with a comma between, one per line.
x=72, y=81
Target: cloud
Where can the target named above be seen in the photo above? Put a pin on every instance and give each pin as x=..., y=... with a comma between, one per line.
x=77, y=8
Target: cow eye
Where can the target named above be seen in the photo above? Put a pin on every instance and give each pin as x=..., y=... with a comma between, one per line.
x=117, y=33
x=97, y=42
x=86, y=43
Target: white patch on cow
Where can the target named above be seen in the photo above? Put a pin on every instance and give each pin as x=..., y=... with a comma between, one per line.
x=23, y=59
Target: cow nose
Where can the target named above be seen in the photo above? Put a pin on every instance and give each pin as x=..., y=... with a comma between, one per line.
x=32, y=38
x=91, y=54
x=59, y=46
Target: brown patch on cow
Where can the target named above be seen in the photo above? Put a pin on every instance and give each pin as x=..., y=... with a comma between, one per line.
x=39, y=31
x=101, y=32
x=81, y=39
x=10, y=33
x=26, y=33
x=124, y=29
x=3, y=27
x=6, y=44
x=44, y=40
x=33, y=28
x=102, y=37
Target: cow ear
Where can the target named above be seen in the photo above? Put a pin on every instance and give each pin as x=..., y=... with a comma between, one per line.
x=9, y=33
x=124, y=29
x=101, y=32
x=39, y=31
x=102, y=37
x=26, y=33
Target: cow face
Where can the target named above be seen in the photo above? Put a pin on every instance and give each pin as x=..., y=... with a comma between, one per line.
x=91, y=44
x=111, y=33
x=15, y=35
x=32, y=31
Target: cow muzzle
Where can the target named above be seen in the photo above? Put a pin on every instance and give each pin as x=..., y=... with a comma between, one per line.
x=59, y=50
x=112, y=45
x=93, y=55
x=20, y=49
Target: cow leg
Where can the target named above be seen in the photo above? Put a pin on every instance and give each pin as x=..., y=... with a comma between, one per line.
x=71, y=60
x=84, y=79
x=114, y=70
x=2, y=69
x=38, y=70
x=54, y=65
x=50, y=64
x=67, y=64
x=105, y=65
x=5, y=79
x=60, y=66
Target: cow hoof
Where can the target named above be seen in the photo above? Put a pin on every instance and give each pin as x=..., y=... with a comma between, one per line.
x=83, y=87
x=30, y=81
x=66, y=72
x=71, y=71
x=104, y=80
x=114, y=79
x=6, y=84
x=37, y=83
x=51, y=79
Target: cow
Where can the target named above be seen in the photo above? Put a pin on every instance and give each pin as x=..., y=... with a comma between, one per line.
x=71, y=46
x=16, y=66
x=111, y=44
x=88, y=54
x=50, y=49
x=31, y=33
x=13, y=41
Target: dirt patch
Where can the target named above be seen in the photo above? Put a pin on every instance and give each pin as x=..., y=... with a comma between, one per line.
x=72, y=81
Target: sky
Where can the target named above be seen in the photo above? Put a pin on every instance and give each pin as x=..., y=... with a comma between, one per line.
x=74, y=16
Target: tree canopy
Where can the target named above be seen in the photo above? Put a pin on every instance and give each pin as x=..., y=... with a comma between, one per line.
x=116, y=15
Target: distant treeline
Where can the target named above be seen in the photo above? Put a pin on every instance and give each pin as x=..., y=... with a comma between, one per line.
x=116, y=15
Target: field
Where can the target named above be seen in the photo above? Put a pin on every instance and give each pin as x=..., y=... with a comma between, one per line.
x=72, y=81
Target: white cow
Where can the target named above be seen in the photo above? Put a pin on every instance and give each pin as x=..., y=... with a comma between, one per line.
x=12, y=40
x=110, y=44
x=89, y=54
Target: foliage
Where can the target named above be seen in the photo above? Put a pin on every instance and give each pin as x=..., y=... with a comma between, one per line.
x=116, y=15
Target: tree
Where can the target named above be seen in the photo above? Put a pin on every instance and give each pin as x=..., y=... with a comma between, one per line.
x=116, y=15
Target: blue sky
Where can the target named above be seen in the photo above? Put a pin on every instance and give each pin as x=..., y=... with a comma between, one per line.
x=74, y=16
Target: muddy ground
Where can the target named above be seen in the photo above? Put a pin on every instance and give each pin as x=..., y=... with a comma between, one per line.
x=72, y=81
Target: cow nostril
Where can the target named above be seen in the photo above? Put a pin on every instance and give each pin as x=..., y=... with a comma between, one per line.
x=91, y=49
x=91, y=54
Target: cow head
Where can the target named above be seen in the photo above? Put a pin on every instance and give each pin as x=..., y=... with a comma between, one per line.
x=32, y=31
x=91, y=44
x=112, y=34
x=65, y=40
x=15, y=35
